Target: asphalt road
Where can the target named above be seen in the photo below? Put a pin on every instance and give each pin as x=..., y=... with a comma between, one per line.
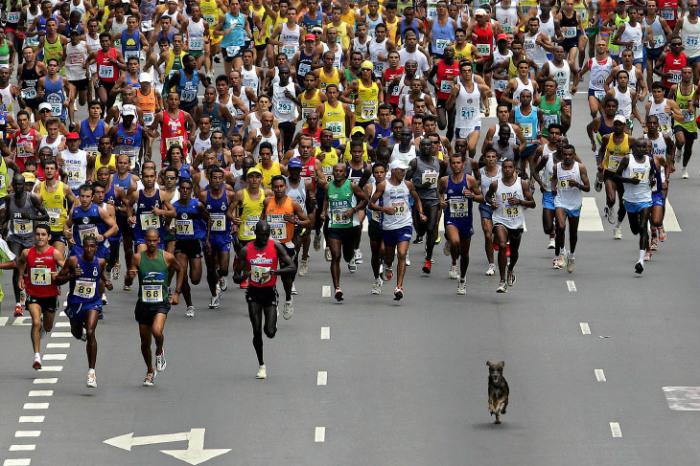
x=372, y=381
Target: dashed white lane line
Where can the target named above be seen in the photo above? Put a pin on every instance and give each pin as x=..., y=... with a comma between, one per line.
x=600, y=375
x=51, y=369
x=55, y=357
x=41, y=393
x=22, y=447
x=585, y=329
x=61, y=335
x=36, y=406
x=615, y=429
x=51, y=380
x=22, y=321
x=571, y=286
x=17, y=462
x=325, y=291
x=57, y=346
x=31, y=419
x=325, y=333
x=320, y=435
x=27, y=433
x=3, y=321
x=322, y=378
x=62, y=325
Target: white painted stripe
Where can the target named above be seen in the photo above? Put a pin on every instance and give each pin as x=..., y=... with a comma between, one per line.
x=61, y=335
x=569, y=284
x=51, y=369
x=3, y=321
x=325, y=333
x=615, y=429
x=57, y=345
x=27, y=433
x=320, y=435
x=22, y=447
x=55, y=357
x=600, y=375
x=585, y=329
x=65, y=303
x=36, y=406
x=62, y=325
x=24, y=419
x=322, y=378
x=17, y=462
x=590, y=219
x=45, y=381
x=670, y=219
x=325, y=291
x=22, y=321
x=41, y=393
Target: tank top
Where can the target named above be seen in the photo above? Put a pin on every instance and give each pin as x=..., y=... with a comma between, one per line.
x=683, y=102
x=615, y=152
x=145, y=218
x=334, y=119
x=568, y=197
x=105, y=70
x=404, y=157
x=111, y=163
x=217, y=208
x=330, y=159
x=445, y=79
x=376, y=49
x=625, y=101
x=548, y=171
x=147, y=104
x=153, y=279
x=131, y=44
x=284, y=109
x=290, y=40
x=173, y=132
x=668, y=10
x=3, y=178
x=85, y=222
x=280, y=229
x=369, y=98
x=459, y=207
x=426, y=172
x=484, y=40
x=21, y=230
x=379, y=134
x=129, y=143
x=506, y=214
x=658, y=33
x=340, y=199
x=599, y=73
x=633, y=34
x=442, y=35
x=398, y=197
x=53, y=50
x=260, y=264
x=174, y=62
x=551, y=113
x=195, y=35
x=189, y=223
x=76, y=56
x=210, y=13
x=529, y=124
x=487, y=180
x=665, y=122
x=533, y=50
x=569, y=27
x=690, y=33
x=508, y=17
x=309, y=104
x=640, y=192
x=468, y=114
x=187, y=88
x=298, y=192
x=84, y=289
x=75, y=167
x=250, y=214
x=30, y=78
x=38, y=281
x=673, y=65
x=55, y=96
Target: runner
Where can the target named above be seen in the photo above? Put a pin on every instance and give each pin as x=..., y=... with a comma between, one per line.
x=466, y=96
x=56, y=196
x=613, y=149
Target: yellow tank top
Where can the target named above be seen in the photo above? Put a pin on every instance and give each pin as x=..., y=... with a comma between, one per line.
x=369, y=98
x=112, y=163
x=250, y=214
x=512, y=69
x=103, y=4
x=42, y=129
x=392, y=29
x=174, y=62
x=268, y=174
x=309, y=105
x=326, y=80
x=334, y=119
x=55, y=204
x=343, y=34
x=210, y=13
x=347, y=155
x=260, y=12
x=330, y=159
x=464, y=54
x=615, y=152
x=4, y=177
x=280, y=230
x=349, y=18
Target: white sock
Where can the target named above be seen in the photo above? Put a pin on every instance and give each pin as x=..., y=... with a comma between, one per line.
x=37, y=355
x=563, y=251
x=642, y=252
x=91, y=372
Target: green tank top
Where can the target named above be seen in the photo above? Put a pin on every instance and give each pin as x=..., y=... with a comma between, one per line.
x=352, y=95
x=153, y=279
x=618, y=21
x=4, y=53
x=683, y=102
x=53, y=50
x=551, y=113
x=3, y=178
x=341, y=199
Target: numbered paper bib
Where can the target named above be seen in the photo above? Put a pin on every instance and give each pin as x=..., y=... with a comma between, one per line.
x=210, y=19
x=668, y=15
x=196, y=43
x=249, y=227
x=278, y=231
x=459, y=207
x=659, y=41
x=177, y=140
x=152, y=294
x=569, y=32
x=56, y=109
x=13, y=16
x=614, y=162
x=83, y=232
x=446, y=86
x=441, y=44
x=259, y=274
x=675, y=76
x=22, y=226
x=500, y=84
x=691, y=41
x=328, y=172
x=284, y=107
x=130, y=53
x=400, y=208
x=429, y=177
x=549, y=119
x=188, y=95
x=147, y=25
x=484, y=49
x=289, y=51
x=376, y=216
x=336, y=127
x=511, y=211
x=28, y=94
x=304, y=69
x=184, y=227
x=76, y=59
x=148, y=119
x=339, y=217
x=106, y=72
x=149, y=221
x=369, y=112
x=599, y=95
x=2, y=181
x=526, y=128
x=85, y=289
x=40, y=276
x=564, y=182
x=467, y=113
x=561, y=92
x=54, y=216
x=639, y=174
x=218, y=222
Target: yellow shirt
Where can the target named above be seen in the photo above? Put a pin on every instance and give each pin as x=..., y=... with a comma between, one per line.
x=347, y=156
x=112, y=163
x=250, y=214
x=268, y=174
x=369, y=101
x=174, y=62
x=326, y=80
x=210, y=13
x=333, y=118
x=309, y=104
x=260, y=12
x=55, y=204
x=615, y=152
x=330, y=160
x=342, y=34
x=348, y=18
x=464, y=54
x=392, y=29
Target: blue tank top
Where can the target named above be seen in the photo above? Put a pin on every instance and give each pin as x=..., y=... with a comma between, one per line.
x=189, y=223
x=67, y=30
x=135, y=85
x=309, y=23
x=528, y=124
x=85, y=288
x=185, y=171
x=125, y=184
x=303, y=66
x=403, y=28
x=217, y=208
x=217, y=123
x=379, y=134
x=131, y=44
x=55, y=96
x=187, y=88
x=170, y=36
x=442, y=36
x=125, y=139
x=42, y=23
x=111, y=196
x=146, y=219
x=89, y=137
x=237, y=26
x=459, y=207
x=86, y=222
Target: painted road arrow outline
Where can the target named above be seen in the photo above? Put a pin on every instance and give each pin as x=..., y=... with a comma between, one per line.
x=195, y=453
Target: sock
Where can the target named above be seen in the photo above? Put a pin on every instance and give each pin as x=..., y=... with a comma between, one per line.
x=617, y=224
x=642, y=252
x=563, y=251
x=37, y=355
x=571, y=255
x=91, y=372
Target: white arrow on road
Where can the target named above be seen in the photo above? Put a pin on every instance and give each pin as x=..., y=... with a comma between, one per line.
x=195, y=453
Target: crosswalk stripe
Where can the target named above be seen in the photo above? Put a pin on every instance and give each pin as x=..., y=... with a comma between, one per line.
x=590, y=216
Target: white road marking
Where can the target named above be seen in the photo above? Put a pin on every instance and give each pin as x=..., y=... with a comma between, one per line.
x=61, y=335
x=3, y=321
x=670, y=219
x=325, y=333
x=325, y=291
x=65, y=303
x=683, y=398
x=55, y=357
x=36, y=406
x=320, y=435
x=32, y=419
x=571, y=286
x=322, y=378
x=62, y=324
x=615, y=430
x=17, y=462
x=51, y=369
x=22, y=447
x=41, y=393
x=600, y=375
x=590, y=219
x=585, y=329
x=27, y=433
x=45, y=381
x=22, y=321
x=57, y=345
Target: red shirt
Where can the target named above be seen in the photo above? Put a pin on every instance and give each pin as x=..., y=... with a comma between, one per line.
x=673, y=64
x=106, y=71
x=22, y=153
x=173, y=132
x=484, y=40
x=668, y=10
x=389, y=75
x=260, y=264
x=38, y=282
x=445, y=79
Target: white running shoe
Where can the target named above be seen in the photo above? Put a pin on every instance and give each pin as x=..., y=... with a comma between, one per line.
x=329, y=257
x=684, y=174
x=150, y=379
x=617, y=233
x=491, y=270
x=570, y=264
x=502, y=287
x=190, y=311
x=552, y=243
x=161, y=363
x=352, y=266
x=303, y=268
x=214, y=302
x=294, y=289
x=377, y=286
x=104, y=299
x=223, y=284
x=358, y=257
x=91, y=381
x=462, y=287
x=387, y=274
x=288, y=310
x=454, y=273
x=262, y=372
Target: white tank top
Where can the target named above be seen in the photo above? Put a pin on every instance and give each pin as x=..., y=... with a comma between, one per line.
x=522, y=86
x=376, y=49
x=283, y=108
x=664, y=118
x=254, y=122
x=397, y=197
x=659, y=145
x=487, y=180
x=54, y=145
x=250, y=79
x=195, y=35
x=358, y=47
x=405, y=157
x=500, y=84
x=508, y=17
x=599, y=73
x=690, y=33
x=468, y=113
x=568, y=197
x=290, y=40
x=625, y=102
x=272, y=139
x=640, y=192
x=562, y=76
x=546, y=27
x=548, y=171
x=297, y=194
x=534, y=51
x=509, y=215
x=634, y=34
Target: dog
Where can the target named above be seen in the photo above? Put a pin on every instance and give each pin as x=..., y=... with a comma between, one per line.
x=498, y=390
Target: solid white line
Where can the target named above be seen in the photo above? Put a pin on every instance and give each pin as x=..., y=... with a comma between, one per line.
x=585, y=329
x=670, y=219
x=27, y=433
x=322, y=378
x=17, y=462
x=600, y=375
x=3, y=320
x=61, y=335
x=62, y=324
x=569, y=284
x=325, y=291
x=24, y=419
x=55, y=357
x=45, y=381
x=36, y=406
x=51, y=369
x=57, y=345
x=615, y=429
x=320, y=435
x=41, y=393
x=22, y=447
x=325, y=333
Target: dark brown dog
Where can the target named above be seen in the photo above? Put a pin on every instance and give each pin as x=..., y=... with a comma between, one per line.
x=498, y=390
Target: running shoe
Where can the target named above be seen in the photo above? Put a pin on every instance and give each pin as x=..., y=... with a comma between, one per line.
x=83, y=337
x=91, y=381
x=23, y=297
x=491, y=270
x=303, y=268
x=317, y=241
x=190, y=311
x=427, y=266
x=358, y=257
x=462, y=287
x=244, y=284
x=511, y=278
x=294, y=289
x=104, y=299
x=561, y=261
x=598, y=185
x=609, y=214
x=552, y=243
x=446, y=247
x=18, y=310
x=454, y=273
x=262, y=372
x=377, y=286
x=116, y=270
x=329, y=257
x=161, y=363
x=661, y=232
x=684, y=174
x=502, y=287
x=150, y=379
x=338, y=294
x=214, y=302
x=126, y=287
x=223, y=284
x=352, y=266
x=288, y=310
x=654, y=246
x=387, y=273
x=639, y=267
x=37, y=363
x=617, y=233
x=418, y=240
x=555, y=263
x=647, y=256
x=408, y=258
x=398, y=293
x=570, y=265
x=438, y=240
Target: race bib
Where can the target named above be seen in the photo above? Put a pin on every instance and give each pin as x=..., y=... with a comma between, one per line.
x=56, y=109
x=339, y=218
x=441, y=44
x=638, y=174
x=511, y=211
x=188, y=95
x=599, y=95
x=400, y=208
x=561, y=92
x=526, y=128
x=500, y=85
x=304, y=69
x=368, y=112
x=40, y=276
x=569, y=32
x=467, y=113
x=232, y=50
x=218, y=222
x=564, y=182
x=184, y=227
x=429, y=177
x=54, y=217
x=28, y=94
x=549, y=119
x=484, y=49
x=147, y=25
x=130, y=53
x=284, y=107
x=149, y=221
x=2, y=181
x=614, y=162
x=446, y=86
x=278, y=231
x=148, y=119
x=668, y=15
x=85, y=289
x=691, y=41
x=13, y=17
x=106, y=72
x=210, y=19
x=76, y=59
x=328, y=172
x=196, y=43
x=249, y=226
x=336, y=127
x=22, y=226
x=83, y=232
x=675, y=76
x=260, y=274
x=289, y=51
x=659, y=41
x=152, y=294
x=459, y=207
x=177, y=140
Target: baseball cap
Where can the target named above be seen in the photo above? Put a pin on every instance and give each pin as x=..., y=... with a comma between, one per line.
x=367, y=65
x=252, y=170
x=398, y=165
x=310, y=37
x=620, y=118
x=480, y=12
x=44, y=106
x=357, y=129
x=128, y=110
x=29, y=177
x=70, y=136
x=145, y=77
x=294, y=163
x=501, y=36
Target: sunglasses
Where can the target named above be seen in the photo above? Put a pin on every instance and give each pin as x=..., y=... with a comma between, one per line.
x=46, y=110
x=171, y=177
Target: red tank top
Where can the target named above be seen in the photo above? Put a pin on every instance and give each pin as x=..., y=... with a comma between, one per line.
x=173, y=132
x=484, y=40
x=24, y=153
x=260, y=263
x=308, y=171
x=673, y=65
x=389, y=75
x=106, y=71
x=315, y=136
x=446, y=74
x=38, y=281
x=668, y=10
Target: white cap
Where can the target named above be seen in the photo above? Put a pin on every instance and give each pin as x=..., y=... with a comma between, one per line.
x=128, y=109
x=620, y=118
x=398, y=164
x=44, y=105
x=480, y=11
x=145, y=77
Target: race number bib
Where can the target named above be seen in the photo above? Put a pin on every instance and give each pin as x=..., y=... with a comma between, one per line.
x=400, y=208
x=218, y=222
x=336, y=128
x=54, y=217
x=149, y=221
x=526, y=128
x=177, y=140
x=446, y=86
x=339, y=218
x=148, y=119
x=614, y=162
x=692, y=41
x=2, y=181
x=284, y=107
x=152, y=294
x=564, y=182
x=184, y=227
x=196, y=43
x=106, y=72
x=441, y=44
x=13, y=17
x=40, y=276
x=22, y=226
x=429, y=177
x=260, y=274
x=569, y=32
x=249, y=225
x=638, y=174
x=278, y=231
x=675, y=76
x=232, y=50
x=467, y=113
x=28, y=94
x=667, y=14
x=484, y=49
x=328, y=173
x=659, y=41
x=599, y=95
x=549, y=119
x=85, y=289
x=459, y=207
x=368, y=112
x=83, y=232
x=511, y=211
x=188, y=95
